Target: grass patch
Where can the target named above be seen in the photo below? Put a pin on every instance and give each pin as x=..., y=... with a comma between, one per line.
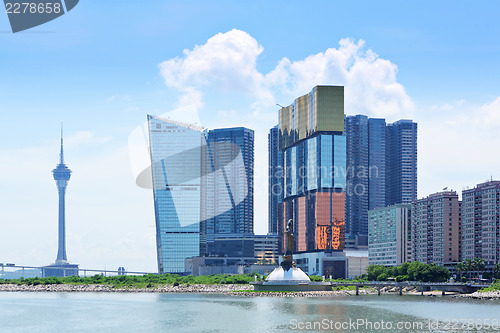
x=264, y=291
x=495, y=286
x=133, y=281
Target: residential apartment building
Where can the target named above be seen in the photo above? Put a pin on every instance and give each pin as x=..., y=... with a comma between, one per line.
x=436, y=231
x=481, y=223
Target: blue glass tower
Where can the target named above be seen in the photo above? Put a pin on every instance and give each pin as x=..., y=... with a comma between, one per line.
x=401, y=162
x=366, y=164
x=356, y=129
x=227, y=186
x=62, y=175
x=376, y=162
x=381, y=168
x=276, y=179
x=176, y=154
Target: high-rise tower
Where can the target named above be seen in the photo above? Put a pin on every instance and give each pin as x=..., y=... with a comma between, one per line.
x=401, y=162
x=62, y=175
x=381, y=169
x=176, y=165
x=276, y=179
x=314, y=151
x=61, y=268
x=227, y=186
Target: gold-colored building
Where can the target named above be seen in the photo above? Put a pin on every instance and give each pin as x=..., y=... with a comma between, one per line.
x=313, y=143
x=322, y=110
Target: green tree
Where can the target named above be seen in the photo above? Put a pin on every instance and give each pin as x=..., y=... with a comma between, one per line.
x=374, y=271
x=469, y=266
x=382, y=277
x=496, y=270
x=460, y=268
x=479, y=266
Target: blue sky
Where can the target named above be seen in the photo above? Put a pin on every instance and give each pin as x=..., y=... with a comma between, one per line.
x=97, y=68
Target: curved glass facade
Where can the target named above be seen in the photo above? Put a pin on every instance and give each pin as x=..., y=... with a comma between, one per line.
x=176, y=170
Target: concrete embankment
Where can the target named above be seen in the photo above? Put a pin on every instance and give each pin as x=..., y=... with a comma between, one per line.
x=299, y=293
x=193, y=288
x=482, y=295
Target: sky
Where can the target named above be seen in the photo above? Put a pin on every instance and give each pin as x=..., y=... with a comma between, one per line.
x=104, y=66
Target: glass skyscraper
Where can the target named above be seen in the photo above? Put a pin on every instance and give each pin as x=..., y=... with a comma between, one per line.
x=314, y=153
x=381, y=168
x=401, y=162
x=366, y=172
x=175, y=150
x=276, y=179
x=202, y=187
x=227, y=185
x=357, y=134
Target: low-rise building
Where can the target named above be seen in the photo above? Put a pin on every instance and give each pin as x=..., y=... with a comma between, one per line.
x=323, y=263
x=357, y=262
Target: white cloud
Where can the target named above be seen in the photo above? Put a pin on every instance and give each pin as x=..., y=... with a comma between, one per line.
x=370, y=82
x=227, y=62
x=489, y=114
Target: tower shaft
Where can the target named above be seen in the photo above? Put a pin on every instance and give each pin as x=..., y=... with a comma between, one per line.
x=62, y=174
x=61, y=252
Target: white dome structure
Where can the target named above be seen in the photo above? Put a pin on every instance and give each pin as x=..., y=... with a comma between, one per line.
x=293, y=274
x=288, y=277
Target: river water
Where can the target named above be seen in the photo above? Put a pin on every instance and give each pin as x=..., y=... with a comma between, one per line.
x=144, y=312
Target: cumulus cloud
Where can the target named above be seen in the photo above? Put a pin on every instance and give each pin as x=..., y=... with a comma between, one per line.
x=490, y=113
x=227, y=62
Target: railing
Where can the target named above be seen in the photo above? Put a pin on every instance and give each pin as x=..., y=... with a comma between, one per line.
x=81, y=271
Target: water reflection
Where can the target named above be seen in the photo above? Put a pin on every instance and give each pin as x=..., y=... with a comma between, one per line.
x=110, y=312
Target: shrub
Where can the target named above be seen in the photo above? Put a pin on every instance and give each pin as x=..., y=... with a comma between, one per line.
x=382, y=277
x=401, y=278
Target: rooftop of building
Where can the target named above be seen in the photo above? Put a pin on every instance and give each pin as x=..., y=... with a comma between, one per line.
x=444, y=193
x=402, y=205
x=229, y=129
x=244, y=236
x=488, y=183
x=194, y=127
